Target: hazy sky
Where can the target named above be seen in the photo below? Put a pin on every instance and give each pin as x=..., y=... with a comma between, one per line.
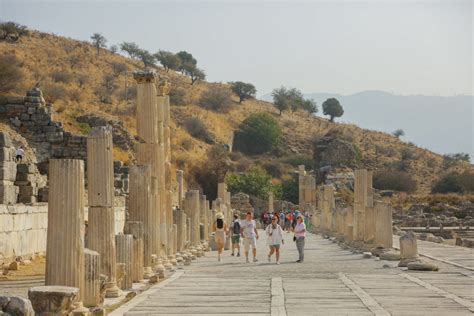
x=405, y=47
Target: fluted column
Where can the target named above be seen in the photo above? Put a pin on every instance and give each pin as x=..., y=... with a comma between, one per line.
x=91, y=278
x=65, y=248
x=370, y=221
x=125, y=255
x=203, y=214
x=140, y=209
x=180, y=180
x=136, y=230
x=101, y=219
x=192, y=211
x=383, y=230
x=360, y=202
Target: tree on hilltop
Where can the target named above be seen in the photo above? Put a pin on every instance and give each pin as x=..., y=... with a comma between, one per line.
x=195, y=74
x=292, y=99
x=398, y=132
x=131, y=49
x=168, y=60
x=333, y=108
x=99, y=41
x=310, y=106
x=146, y=58
x=243, y=90
x=187, y=61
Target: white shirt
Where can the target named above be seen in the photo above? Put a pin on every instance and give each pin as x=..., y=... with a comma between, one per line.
x=248, y=227
x=275, y=236
x=20, y=152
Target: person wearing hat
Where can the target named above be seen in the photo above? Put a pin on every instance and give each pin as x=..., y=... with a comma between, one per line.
x=220, y=229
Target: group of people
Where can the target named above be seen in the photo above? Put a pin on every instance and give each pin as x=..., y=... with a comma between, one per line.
x=287, y=219
x=246, y=230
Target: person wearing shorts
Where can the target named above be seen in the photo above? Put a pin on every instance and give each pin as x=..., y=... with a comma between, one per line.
x=236, y=235
x=220, y=229
x=275, y=239
x=249, y=233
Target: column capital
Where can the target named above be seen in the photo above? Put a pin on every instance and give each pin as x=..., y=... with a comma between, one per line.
x=144, y=76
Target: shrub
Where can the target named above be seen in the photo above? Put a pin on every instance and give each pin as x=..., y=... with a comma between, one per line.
x=54, y=92
x=187, y=144
x=254, y=182
x=118, y=68
x=274, y=168
x=12, y=31
x=10, y=73
x=455, y=182
x=177, y=97
x=197, y=129
x=216, y=99
x=61, y=76
x=296, y=160
x=394, y=180
x=289, y=188
x=257, y=134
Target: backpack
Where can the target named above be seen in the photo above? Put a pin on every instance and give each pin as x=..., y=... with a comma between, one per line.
x=220, y=223
x=236, y=228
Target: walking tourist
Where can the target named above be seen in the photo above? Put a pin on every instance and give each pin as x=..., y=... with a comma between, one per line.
x=275, y=239
x=236, y=235
x=300, y=232
x=220, y=229
x=19, y=154
x=249, y=234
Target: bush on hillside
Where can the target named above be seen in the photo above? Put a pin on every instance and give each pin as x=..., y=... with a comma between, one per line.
x=177, y=97
x=274, y=168
x=254, y=182
x=11, y=31
x=55, y=91
x=455, y=182
x=11, y=73
x=243, y=90
x=61, y=76
x=216, y=99
x=257, y=134
x=196, y=128
x=333, y=108
x=394, y=180
x=296, y=160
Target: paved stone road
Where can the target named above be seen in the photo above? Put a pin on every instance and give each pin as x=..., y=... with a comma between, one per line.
x=331, y=281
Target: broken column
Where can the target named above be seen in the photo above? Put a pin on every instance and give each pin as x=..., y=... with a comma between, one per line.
x=408, y=249
x=125, y=255
x=136, y=230
x=101, y=217
x=180, y=220
x=191, y=207
x=8, y=190
x=301, y=185
x=65, y=248
x=369, y=231
x=163, y=89
x=140, y=209
x=150, y=151
x=360, y=202
x=53, y=300
x=383, y=225
x=180, y=180
x=204, y=204
x=92, y=295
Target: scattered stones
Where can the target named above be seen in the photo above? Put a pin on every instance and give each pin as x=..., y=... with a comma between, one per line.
x=366, y=255
x=14, y=305
x=390, y=256
x=422, y=266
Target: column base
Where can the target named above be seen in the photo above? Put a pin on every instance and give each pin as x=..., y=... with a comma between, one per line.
x=147, y=272
x=112, y=290
x=80, y=310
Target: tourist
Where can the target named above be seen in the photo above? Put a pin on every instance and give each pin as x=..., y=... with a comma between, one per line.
x=236, y=235
x=220, y=229
x=300, y=232
x=249, y=233
x=19, y=154
x=282, y=219
x=275, y=239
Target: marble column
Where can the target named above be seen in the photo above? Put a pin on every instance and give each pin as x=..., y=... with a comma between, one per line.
x=370, y=222
x=383, y=226
x=136, y=230
x=192, y=211
x=92, y=270
x=270, y=202
x=180, y=180
x=301, y=185
x=101, y=218
x=360, y=202
x=65, y=247
x=204, y=204
x=125, y=255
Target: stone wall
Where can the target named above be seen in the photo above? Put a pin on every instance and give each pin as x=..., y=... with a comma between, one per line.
x=23, y=228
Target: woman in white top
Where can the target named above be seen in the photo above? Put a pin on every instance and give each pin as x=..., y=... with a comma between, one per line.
x=220, y=228
x=275, y=239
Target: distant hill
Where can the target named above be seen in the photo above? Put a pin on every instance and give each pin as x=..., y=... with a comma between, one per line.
x=441, y=124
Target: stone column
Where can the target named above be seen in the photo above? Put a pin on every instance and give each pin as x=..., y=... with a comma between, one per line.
x=301, y=184
x=408, y=249
x=192, y=211
x=180, y=220
x=91, y=278
x=136, y=230
x=125, y=255
x=270, y=202
x=65, y=248
x=349, y=228
x=327, y=206
x=180, y=180
x=101, y=219
x=203, y=214
x=150, y=151
x=383, y=226
x=141, y=209
x=168, y=167
x=369, y=236
x=188, y=230
x=360, y=202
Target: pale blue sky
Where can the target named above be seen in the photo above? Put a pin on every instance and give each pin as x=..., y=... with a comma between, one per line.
x=405, y=47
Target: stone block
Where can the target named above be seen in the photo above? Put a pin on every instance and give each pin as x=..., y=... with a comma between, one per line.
x=8, y=194
x=24, y=117
x=31, y=110
x=7, y=154
x=422, y=266
x=31, y=199
x=35, y=92
x=5, y=140
x=14, y=305
x=15, y=100
x=15, y=110
x=55, y=137
x=8, y=170
x=43, y=194
x=53, y=300
x=3, y=109
x=26, y=168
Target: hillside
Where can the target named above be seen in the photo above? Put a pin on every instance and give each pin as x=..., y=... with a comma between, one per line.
x=79, y=81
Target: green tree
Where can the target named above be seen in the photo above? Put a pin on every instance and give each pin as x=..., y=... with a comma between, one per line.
x=255, y=182
x=130, y=48
x=146, y=58
x=309, y=106
x=398, y=132
x=12, y=31
x=187, y=61
x=289, y=188
x=99, y=41
x=394, y=180
x=257, y=134
x=333, y=108
x=292, y=99
x=243, y=90
x=280, y=99
x=455, y=182
x=195, y=74
x=168, y=60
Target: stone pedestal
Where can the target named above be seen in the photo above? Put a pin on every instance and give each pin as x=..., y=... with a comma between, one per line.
x=92, y=296
x=101, y=219
x=408, y=249
x=383, y=225
x=136, y=230
x=53, y=300
x=125, y=255
x=65, y=248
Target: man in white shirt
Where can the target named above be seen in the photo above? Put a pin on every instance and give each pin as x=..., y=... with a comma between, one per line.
x=19, y=154
x=248, y=230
